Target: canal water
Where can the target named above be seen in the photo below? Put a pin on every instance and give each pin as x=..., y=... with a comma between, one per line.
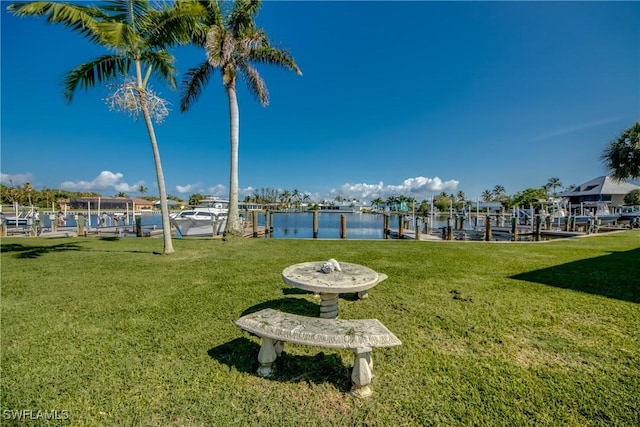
x=285, y=225
x=359, y=225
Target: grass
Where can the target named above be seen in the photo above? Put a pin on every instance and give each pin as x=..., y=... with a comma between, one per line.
x=510, y=334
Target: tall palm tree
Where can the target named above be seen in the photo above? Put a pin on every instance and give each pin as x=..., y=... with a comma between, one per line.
x=135, y=34
x=233, y=44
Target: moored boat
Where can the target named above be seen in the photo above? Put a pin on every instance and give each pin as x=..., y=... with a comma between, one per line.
x=201, y=221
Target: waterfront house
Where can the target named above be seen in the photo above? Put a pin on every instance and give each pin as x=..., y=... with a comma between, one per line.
x=600, y=189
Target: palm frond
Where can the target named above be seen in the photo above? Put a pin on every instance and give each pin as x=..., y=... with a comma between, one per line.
x=128, y=11
x=180, y=24
x=162, y=64
x=114, y=34
x=273, y=56
x=242, y=17
x=78, y=18
x=99, y=70
x=219, y=46
x=255, y=83
x=193, y=83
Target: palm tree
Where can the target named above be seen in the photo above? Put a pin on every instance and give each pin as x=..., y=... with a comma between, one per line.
x=28, y=189
x=232, y=43
x=622, y=156
x=285, y=199
x=487, y=196
x=552, y=184
x=377, y=202
x=135, y=34
x=499, y=192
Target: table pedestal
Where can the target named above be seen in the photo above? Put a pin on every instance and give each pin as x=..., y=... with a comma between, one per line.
x=329, y=305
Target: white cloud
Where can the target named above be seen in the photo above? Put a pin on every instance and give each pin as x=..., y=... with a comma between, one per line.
x=106, y=180
x=569, y=129
x=189, y=188
x=15, y=179
x=418, y=187
x=218, y=191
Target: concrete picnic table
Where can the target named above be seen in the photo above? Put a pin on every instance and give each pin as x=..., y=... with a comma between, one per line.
x=349, y=278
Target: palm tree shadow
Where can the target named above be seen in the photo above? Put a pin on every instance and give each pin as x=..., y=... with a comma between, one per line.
x=26, y=251
x=242, y=354
x=615, y=275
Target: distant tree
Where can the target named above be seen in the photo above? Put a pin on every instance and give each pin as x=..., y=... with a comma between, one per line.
x=531, y=197
x=27, y=189
x=552, y=184
x=142, y=189
x=195, y=199
x=424, y=207
x=622, y=156
x=498, y=192
x=285, y=199
x=121, y=194
x=632, y=197
x=443, y=202
x=378, y=202
x=487, y=196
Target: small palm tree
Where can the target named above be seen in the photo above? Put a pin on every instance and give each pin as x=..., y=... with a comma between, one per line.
x=498, y=192
x=552, y=184
x=142, y=189
x=232, y=43
x=135, y=34
x=28, y=189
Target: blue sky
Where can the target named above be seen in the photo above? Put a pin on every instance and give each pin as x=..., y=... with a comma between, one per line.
x=408, y=98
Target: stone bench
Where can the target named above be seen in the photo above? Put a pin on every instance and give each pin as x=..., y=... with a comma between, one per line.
x=275, y=328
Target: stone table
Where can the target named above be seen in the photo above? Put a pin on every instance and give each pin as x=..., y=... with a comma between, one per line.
x=350, y=278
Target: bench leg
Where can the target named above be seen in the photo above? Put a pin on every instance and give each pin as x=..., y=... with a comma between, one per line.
x=267, y=356
x=363, y=294
x=361, y=374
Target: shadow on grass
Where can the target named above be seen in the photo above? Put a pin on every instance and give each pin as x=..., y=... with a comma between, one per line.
x=26, y=251
x=242, y=354
x=616, y=275
x=298, y=306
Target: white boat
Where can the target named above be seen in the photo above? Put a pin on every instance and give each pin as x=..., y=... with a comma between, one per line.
x=19, y=219
x=201, y=221
x=598, y=213
x=15, y=221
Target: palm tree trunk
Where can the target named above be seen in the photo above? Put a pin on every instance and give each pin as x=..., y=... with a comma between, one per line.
x=233, y=228
x=164, y=206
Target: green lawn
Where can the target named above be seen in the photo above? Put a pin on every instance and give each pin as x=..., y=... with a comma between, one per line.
x=109, y=332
